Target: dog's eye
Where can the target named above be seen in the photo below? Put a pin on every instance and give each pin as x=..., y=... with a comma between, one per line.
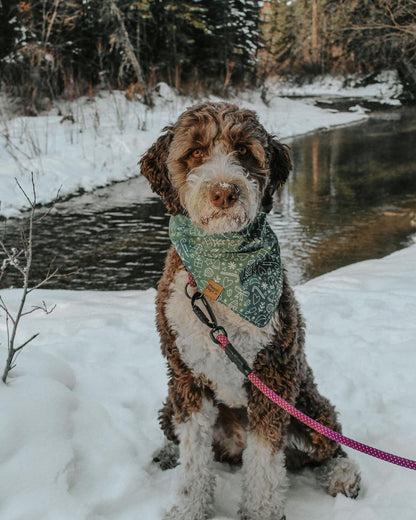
x=197, y=154
x=242, y=150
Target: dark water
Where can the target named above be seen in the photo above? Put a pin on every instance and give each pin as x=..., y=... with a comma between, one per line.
x=351, y=197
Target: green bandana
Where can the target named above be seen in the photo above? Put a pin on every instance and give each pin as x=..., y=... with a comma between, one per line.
x=241, y=269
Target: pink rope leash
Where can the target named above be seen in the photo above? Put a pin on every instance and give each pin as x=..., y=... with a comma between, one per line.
x=318, y=427
x=222, y=340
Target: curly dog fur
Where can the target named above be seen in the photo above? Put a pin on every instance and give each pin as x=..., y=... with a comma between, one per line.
x=218, y=165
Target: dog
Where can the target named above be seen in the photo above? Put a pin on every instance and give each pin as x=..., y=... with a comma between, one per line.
x=217, y=169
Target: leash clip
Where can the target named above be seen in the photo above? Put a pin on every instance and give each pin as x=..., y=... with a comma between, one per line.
x=210, y=320
x=186, y=291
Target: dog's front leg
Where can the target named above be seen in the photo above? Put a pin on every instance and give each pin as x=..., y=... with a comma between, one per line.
x=197, y=481
x=265, y=482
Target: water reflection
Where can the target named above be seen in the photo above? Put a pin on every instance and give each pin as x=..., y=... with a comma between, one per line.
x=350, y=198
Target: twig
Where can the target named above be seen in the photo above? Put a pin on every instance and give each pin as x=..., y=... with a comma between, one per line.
x=25, y=343
x=12, y=260
x=3, y=306
x=42, y=307
x=380, y=27
x=32, y=203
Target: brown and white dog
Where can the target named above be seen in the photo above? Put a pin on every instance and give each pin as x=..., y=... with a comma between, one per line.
x=219, y=166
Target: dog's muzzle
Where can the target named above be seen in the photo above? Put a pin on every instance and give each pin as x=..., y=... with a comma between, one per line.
x=223, y=195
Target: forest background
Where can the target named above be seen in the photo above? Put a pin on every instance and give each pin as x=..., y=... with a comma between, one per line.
x=51, y=48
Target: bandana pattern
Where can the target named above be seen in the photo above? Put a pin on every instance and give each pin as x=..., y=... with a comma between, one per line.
x=241, y=269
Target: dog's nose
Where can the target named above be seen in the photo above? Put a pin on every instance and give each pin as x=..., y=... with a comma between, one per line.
x=223, y=195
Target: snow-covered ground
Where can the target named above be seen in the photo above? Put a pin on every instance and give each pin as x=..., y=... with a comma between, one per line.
x=78, y=419
x=92, y=142
x=385, y=88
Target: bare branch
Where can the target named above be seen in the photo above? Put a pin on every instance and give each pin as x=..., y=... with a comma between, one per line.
x=45, y=280
x=127, y=46
x=23, y=239
x=42, y=307
x=33, y=189
x=55, y=12
x=379, y=27
x=31, y=203
x=3, y=306
x=45, y=309
x=26, y=343
x=8, y=329
x=12, y=257
x=52, y=206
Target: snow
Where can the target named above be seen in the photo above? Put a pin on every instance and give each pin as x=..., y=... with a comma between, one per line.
x=384, y=88
x=92, y=142
x=358, y=109
x=78, y=421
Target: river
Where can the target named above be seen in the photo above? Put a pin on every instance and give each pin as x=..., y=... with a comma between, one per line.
x=351, y=197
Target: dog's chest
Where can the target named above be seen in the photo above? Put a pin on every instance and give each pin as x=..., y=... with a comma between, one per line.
x=202, y=355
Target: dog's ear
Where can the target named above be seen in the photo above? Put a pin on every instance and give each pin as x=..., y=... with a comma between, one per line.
x=280, y=165
x=153, y=166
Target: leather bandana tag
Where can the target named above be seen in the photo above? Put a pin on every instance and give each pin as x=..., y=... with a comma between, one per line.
x=213, y=290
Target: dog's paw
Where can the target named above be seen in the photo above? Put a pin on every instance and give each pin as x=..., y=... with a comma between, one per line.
x=182, y=512
x=195, y=498
x=340, y=475
x=168, y=456
x=258, y=515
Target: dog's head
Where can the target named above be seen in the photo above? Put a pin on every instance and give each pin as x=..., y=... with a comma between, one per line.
x=217, y=164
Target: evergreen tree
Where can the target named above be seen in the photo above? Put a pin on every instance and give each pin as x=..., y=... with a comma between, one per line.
x=176, y=25
x=8, y=25
x=277, y=29
x=246, y=14
x=229, y=47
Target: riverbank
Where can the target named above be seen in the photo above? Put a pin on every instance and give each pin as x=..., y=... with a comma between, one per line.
x=384, y=88
x=89, y=143
x=78, y=421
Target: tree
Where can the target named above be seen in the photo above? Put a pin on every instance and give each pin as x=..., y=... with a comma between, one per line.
x=382, y=34
x=229, y=48
x=8, y=25
x=53, y=50
x=120, y=39
x=179, y=23
x=341, y=36
x=277, y=33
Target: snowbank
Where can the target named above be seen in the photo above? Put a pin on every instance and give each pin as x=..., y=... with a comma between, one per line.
x=78, y=419
x=93, y=142
x=384, y=88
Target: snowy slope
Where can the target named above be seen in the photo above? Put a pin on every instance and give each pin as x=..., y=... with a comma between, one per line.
x=385, y=88
x=78, y=418
x=93, y=142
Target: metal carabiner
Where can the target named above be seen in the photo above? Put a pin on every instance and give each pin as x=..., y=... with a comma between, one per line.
x=210, y=320
x=186, y=290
